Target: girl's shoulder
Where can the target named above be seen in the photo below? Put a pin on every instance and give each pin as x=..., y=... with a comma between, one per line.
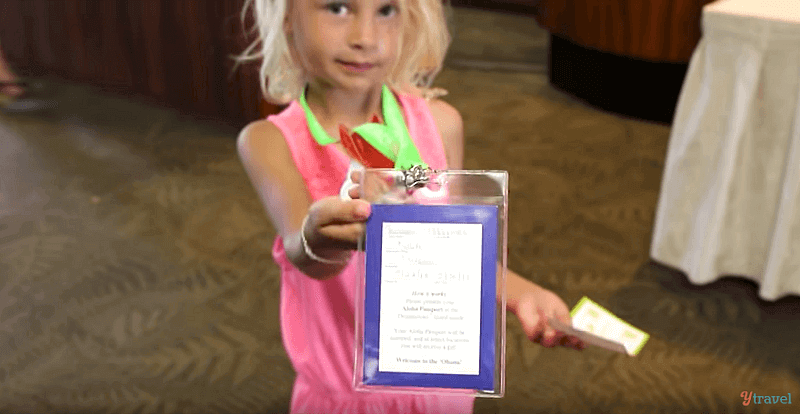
x=447, y=117
x=451, y=127
x=444, y=114
x=258, y=136
x=263, y=151
x=266, y=134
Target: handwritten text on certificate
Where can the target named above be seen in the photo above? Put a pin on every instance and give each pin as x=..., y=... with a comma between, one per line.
x=430, y=298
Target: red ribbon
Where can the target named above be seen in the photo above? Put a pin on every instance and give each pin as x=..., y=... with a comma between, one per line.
x=359, y=149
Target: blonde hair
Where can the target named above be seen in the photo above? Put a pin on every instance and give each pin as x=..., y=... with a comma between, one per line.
x=423, y=46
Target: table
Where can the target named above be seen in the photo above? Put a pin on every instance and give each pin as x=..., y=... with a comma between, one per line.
x=729, y=195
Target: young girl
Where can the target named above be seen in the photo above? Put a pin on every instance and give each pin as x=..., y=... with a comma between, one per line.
x=340, y=64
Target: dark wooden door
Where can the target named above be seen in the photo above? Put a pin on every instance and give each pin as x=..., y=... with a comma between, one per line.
x=175, y=52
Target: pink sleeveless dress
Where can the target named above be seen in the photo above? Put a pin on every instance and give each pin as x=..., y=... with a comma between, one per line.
x=317, y=318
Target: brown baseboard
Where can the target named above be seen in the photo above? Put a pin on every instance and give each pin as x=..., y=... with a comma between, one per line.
x=527, y=7
x=623, y=85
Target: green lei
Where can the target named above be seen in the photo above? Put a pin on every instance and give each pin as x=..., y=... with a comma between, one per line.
x=392, y=139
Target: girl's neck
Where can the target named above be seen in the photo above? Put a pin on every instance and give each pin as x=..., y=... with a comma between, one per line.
x=336, y=106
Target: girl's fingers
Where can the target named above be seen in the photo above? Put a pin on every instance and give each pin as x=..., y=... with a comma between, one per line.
x=354, y=192
x=531, y=322
x=333, y=210
x=333, y=223
x=565, y=341
x=538, y=329
x=576, y=343
x=349, y=234
x=550, y=336
x=355, y=176
x=568, y=341
x=374, y=187
x=339, y=236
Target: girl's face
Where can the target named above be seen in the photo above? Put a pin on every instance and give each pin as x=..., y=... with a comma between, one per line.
x=349, y=44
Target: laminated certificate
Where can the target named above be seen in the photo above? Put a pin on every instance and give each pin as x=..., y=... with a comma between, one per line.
x=429, y=318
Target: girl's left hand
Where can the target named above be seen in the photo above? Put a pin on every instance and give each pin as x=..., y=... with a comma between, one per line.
x=533, y=308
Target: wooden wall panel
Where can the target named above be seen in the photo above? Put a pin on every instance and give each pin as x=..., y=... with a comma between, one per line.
x=656, y=30
x=175, y=52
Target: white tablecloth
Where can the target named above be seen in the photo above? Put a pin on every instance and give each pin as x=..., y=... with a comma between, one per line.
x=730, y=195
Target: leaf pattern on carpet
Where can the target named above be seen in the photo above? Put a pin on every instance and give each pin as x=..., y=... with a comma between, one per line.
x=148, y=286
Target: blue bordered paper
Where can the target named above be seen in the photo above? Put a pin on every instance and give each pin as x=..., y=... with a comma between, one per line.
x=486, y=216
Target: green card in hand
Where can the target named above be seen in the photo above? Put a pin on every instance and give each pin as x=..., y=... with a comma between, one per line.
x=595, y=325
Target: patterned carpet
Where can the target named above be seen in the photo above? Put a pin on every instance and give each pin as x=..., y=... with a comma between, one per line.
x=136, y=277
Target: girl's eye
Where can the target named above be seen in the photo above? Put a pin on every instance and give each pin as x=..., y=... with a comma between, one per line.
x=388, y=10
x=339, y=9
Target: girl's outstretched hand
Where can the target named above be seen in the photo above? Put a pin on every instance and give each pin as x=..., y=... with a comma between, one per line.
x=335, y=225
x=533, y=306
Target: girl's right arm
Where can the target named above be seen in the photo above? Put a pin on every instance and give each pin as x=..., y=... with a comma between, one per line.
x=333, y=226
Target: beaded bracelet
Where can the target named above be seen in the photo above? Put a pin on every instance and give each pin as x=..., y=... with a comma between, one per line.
x=311, y=254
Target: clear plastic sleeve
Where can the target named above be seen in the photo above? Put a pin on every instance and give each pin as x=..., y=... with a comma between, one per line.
x=430, y=290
